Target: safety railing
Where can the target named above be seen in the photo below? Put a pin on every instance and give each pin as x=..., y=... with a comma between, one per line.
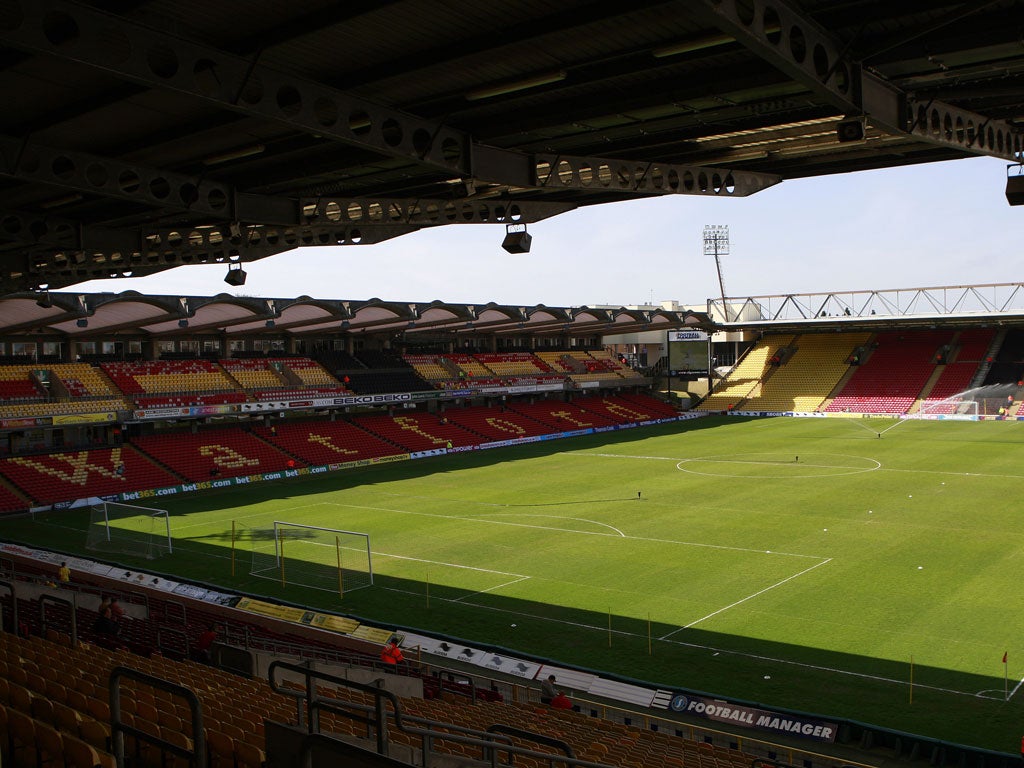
x=378, y=719
x=44, y=621
x=196, y=756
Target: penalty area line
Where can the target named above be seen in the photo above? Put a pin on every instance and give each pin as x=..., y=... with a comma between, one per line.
x=745, y=599
x=485, y=591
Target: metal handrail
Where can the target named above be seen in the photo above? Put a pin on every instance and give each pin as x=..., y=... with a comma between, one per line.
x=161, y=632
x=547, y=741
x=118, y=728
x=45, y=600
x=14, y=607
x=487, y=741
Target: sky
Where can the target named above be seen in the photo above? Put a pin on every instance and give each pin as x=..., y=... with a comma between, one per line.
x=938, y=224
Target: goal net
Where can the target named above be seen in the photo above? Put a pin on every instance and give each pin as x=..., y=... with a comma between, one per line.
x=990, y=400
x=329, y=559
x=955, y=408
x=127, y=529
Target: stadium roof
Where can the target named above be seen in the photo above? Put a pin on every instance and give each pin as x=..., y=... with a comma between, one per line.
x=63, y=316
x=164, y=132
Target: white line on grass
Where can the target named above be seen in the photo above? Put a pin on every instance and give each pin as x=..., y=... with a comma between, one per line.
x=518, y=576
x=491, y=589
x=621, y=456
x=748, y=597
x=581, y=519
x=1015, y=689
x=602, y=628
x=574, y=530
x=879, y=468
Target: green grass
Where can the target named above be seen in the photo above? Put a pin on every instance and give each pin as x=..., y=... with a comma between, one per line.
x=827, y=573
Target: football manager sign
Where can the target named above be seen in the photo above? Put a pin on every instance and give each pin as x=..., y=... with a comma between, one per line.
x=751, y=717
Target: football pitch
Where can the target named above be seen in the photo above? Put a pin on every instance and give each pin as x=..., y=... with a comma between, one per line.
x=799, y=563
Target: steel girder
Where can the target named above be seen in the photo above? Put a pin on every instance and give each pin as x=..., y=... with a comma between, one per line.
x=788, y=40
x=653, y=178
x=155, y=187
x=427, y=212
x=164, y=249
x=155, y=59
x=46, y=231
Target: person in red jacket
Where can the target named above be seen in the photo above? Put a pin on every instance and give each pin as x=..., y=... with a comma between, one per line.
x=392, y=654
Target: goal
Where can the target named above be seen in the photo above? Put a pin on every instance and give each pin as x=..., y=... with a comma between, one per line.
x=961, y=407
x=127, y=529
x=328, y=559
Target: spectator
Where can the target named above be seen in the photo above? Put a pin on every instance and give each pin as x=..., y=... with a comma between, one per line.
x=392, y=654
x=105, y=624
x=202, y=649
x=116, y=611
x=64, y=574
x=548, y=690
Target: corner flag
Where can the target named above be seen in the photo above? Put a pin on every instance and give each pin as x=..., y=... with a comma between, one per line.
x=1004, y=656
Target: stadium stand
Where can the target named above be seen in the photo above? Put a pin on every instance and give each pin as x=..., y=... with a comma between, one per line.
x=560, y=416
x=967, y=352
x=745, y=376
x=213, y=453
x=494, y=423
x=63, y=408
x=310, y=373
x=510, y=364
x=253, y=373
x=326, y=442
x=187, y=400
x=380, y=359
x=609, y=362
x=467, y=366
x=10, y=500
x=82, y=380
x=1008, y=362
x=894, y=374
x=620, y=410
x=49, y=685
x=379, y=382
x=54, y=477
x=809, y=374
x=648, y=404
x=17, y=390
x=416, y=430
x=164, y=376
x=17, y=385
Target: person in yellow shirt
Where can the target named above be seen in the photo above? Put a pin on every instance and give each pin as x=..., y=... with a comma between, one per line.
x=64, y=574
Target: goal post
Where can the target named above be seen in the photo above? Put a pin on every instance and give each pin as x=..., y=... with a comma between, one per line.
x=128, y=529
x=329, y=559
x=956, y=408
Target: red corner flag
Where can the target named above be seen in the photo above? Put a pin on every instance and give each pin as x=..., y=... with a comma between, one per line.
x=1004, y=656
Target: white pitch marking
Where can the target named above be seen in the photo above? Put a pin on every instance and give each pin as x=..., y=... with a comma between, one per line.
x=483, y=591
x=581, y=519
x=572, y=530
x=1015, y=689
x=745, y=599
x=519, y=577
x=878, y=468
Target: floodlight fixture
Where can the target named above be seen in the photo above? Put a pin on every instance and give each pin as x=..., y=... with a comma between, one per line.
x=517, y=239
x=1015, y=184
x=234, y=276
